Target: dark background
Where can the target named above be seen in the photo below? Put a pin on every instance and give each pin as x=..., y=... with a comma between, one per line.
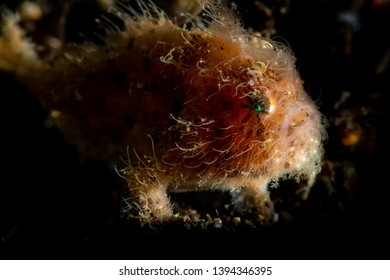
x=54, y=206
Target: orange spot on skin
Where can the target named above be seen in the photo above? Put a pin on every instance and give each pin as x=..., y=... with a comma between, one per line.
x=351, y=138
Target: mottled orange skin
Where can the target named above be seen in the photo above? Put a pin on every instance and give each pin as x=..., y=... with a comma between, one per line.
x=181, y=106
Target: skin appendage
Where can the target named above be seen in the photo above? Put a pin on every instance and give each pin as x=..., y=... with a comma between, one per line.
x=201, y=106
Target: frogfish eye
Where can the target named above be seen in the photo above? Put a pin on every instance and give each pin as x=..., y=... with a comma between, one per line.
x=257, y=107
x=259, y=103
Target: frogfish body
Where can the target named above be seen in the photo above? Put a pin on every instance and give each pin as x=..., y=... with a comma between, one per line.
x=210, y=106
